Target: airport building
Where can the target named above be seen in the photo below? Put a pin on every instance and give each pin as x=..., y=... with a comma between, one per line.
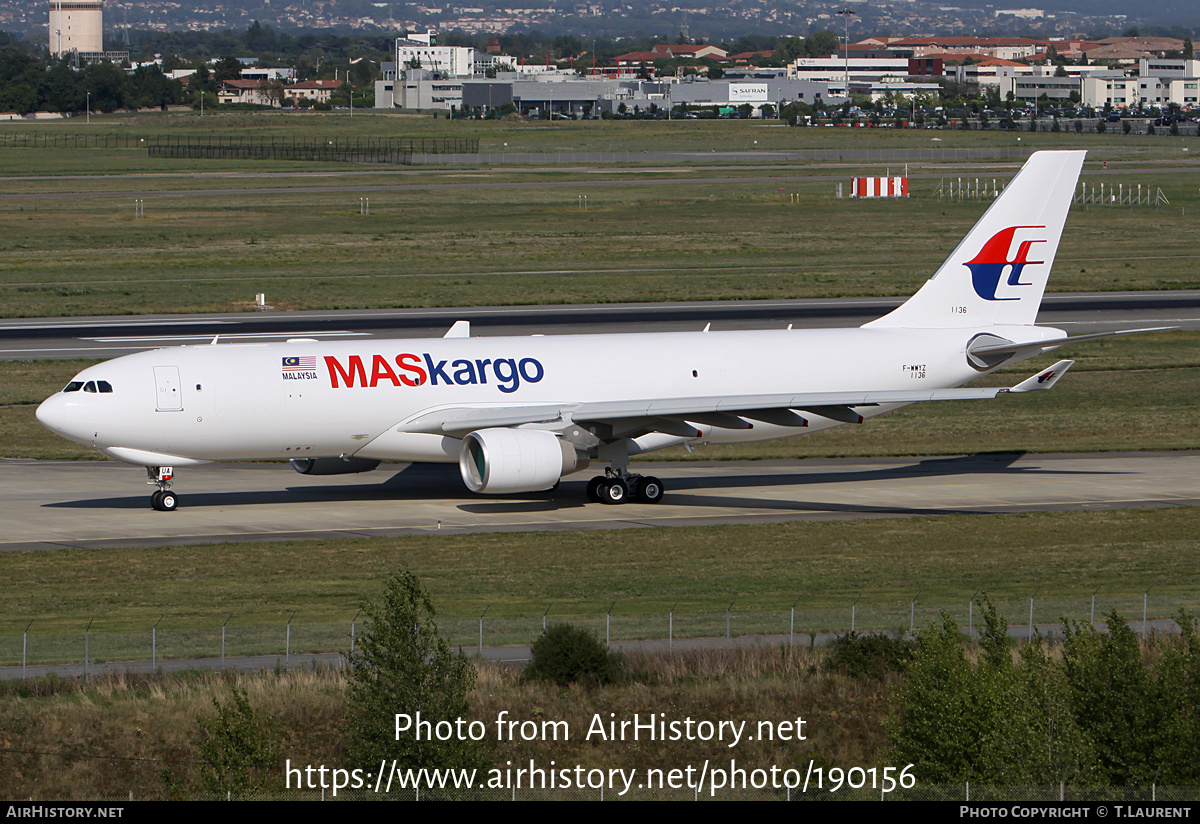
x=243, y=91
x=772, y=92
x=420, y=51
x=857, y=68
x=417, y=89
x=1158, y=82
x=562, y=98
x=595, y=95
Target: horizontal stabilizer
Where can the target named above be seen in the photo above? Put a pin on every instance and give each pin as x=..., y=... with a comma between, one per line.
x=1054, y=343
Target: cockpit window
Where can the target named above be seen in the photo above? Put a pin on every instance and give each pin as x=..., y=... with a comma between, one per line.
x=104, y=386
x=73, y=386
x=90, y=386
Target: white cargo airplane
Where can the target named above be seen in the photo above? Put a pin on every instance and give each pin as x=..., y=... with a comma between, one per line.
x=519, y=413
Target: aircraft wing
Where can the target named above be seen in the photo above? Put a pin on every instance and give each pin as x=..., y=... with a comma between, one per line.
x=674, y=415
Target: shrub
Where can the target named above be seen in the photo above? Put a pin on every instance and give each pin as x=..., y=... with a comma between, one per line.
x=565, y=654
x=868, y=656
x=403, y=665
x=237, y=746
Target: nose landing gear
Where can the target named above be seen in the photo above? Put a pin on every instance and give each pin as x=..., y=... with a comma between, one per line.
x=163, y=499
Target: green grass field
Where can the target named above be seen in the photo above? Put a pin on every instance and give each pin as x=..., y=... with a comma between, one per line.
x=497, y=236
x=592, y=135
x=762, y=568
x=471, y=247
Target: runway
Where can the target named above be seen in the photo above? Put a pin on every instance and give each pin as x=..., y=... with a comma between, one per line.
x=111, y=336
x=55, y=505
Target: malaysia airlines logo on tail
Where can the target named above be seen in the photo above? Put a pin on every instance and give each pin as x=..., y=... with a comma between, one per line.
x=990, y=264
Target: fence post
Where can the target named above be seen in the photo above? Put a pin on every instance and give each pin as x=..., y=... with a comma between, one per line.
x=352, y=623
x=223, y=636
x=24, y=647
x=485, y=612
x=912, y=612
x=1092, y=621
x=544, y=614
x=971, y=616
x=853, y=611
x=792, y=629
x=671, y=626
x=608, y=624
x=86, y=631
x=1031, y=597
x=154, y=644
x=728, y=635
x=287, y=650
x=1145, y=603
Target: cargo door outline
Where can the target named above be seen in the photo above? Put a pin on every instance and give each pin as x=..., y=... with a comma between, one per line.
x=168, y=389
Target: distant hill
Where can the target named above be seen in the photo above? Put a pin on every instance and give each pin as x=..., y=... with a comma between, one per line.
x=625, y=18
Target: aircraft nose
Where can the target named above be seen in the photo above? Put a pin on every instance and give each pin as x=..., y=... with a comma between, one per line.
x=55, y=414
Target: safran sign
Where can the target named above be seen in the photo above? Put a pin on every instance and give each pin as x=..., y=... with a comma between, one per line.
x=748, y=92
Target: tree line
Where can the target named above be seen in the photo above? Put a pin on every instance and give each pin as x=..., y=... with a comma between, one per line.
x=1102, y=709
x=28, y=84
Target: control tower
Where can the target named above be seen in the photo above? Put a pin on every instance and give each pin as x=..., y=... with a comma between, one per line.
x=76, y=26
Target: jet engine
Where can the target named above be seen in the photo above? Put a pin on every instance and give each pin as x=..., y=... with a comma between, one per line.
x=332, y=466
x=516, y=460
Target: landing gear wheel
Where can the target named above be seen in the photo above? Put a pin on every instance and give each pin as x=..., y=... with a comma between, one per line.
x=593, y=488
x=613, y=492
x=164, y=500
x=650, y=490
x=155, y=500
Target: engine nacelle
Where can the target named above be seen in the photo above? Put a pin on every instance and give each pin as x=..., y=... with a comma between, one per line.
x=332, y=466
x=516, y=460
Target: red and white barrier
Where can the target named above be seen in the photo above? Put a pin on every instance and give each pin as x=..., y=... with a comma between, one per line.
x=879, y=187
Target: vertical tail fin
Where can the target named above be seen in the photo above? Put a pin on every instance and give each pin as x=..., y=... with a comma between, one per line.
x=999, y=271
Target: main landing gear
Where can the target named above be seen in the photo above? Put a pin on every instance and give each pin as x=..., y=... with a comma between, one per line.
x=620, y=487
x=164, y=500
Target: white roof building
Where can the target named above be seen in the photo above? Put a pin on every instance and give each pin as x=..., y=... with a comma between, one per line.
x=420, y=52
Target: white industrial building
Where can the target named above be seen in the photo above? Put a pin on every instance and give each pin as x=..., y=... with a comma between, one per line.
x=417, y=89
x=420, y=51
x=589, y=97
x=1159, y=82
x=836, y=69
x=1114, y=90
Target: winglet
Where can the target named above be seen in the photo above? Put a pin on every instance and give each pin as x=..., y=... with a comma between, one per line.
x=460, y=329
x=1044, y=379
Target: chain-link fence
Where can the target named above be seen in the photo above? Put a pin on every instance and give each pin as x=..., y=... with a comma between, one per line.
x=612, y=622
x=385, y=149
x=1061, y=793
x=1143, y=148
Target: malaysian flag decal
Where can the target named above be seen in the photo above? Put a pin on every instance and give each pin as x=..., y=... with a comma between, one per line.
x=299, y=364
